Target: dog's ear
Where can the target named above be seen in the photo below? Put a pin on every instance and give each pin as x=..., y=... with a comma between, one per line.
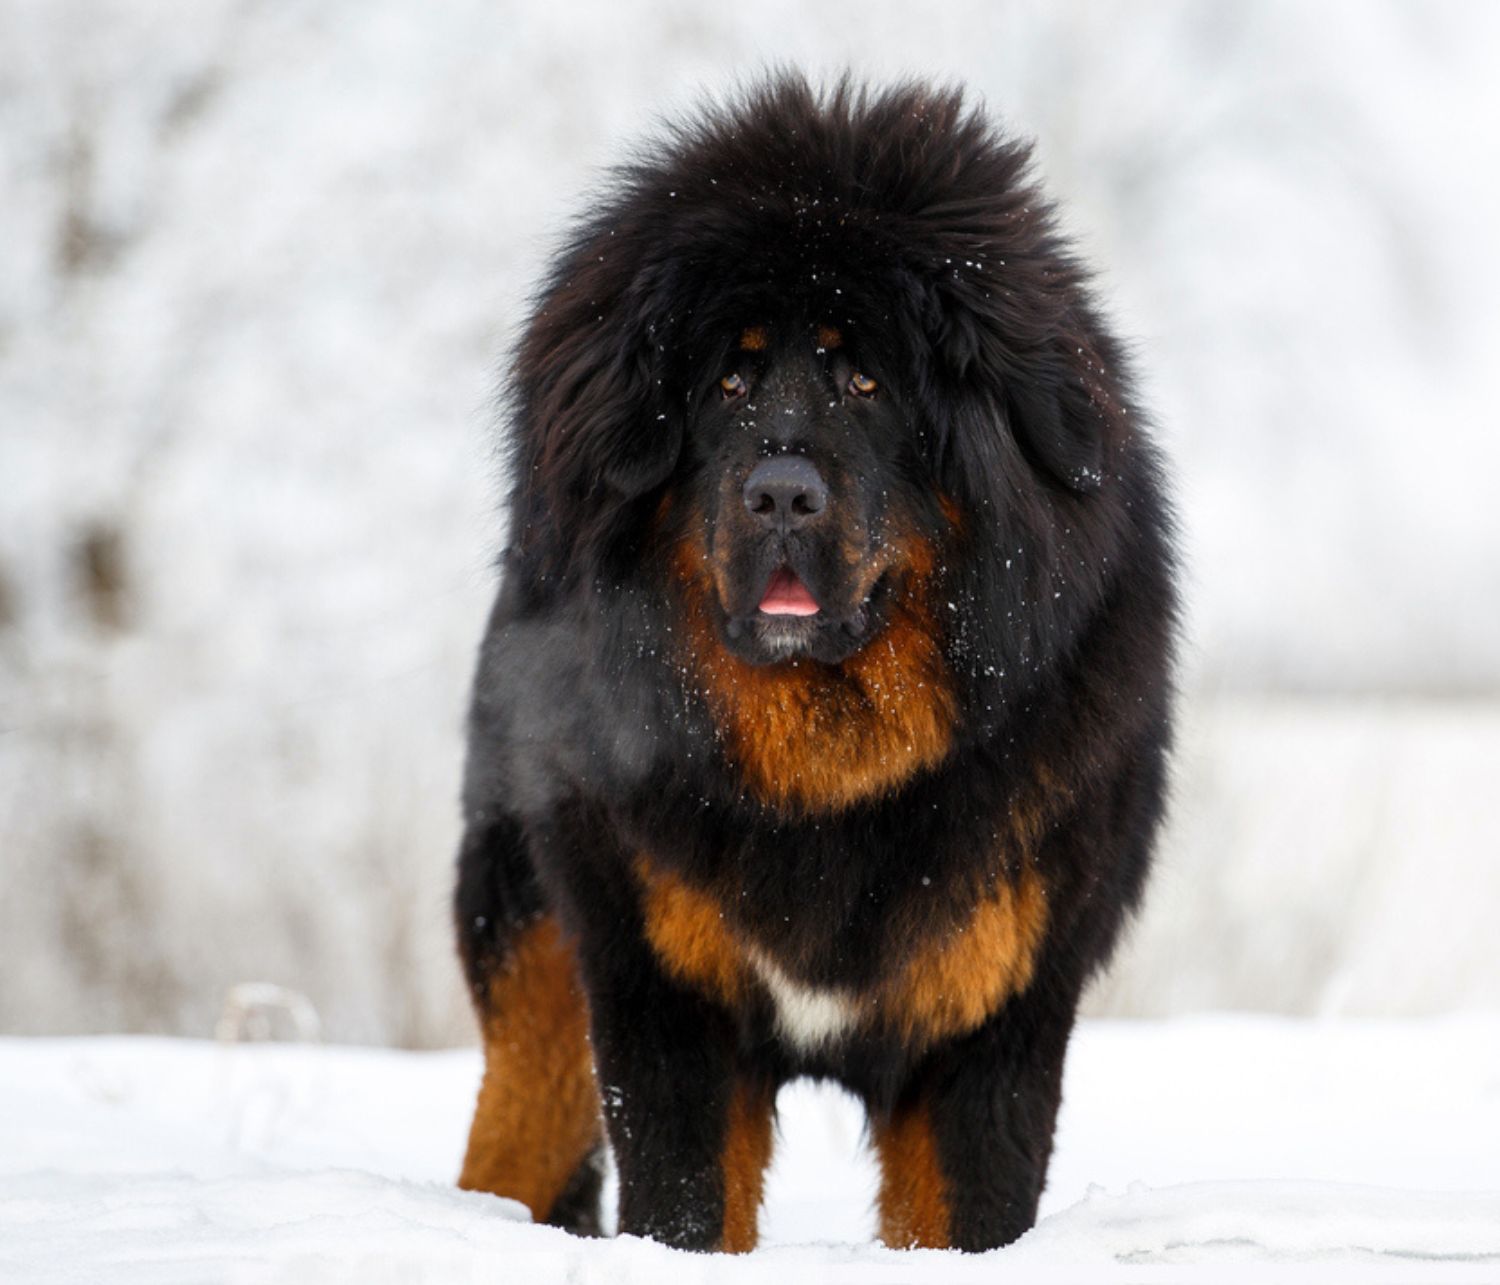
x=611, y=428
x=592, y=414
x=1046, y=382
x=1056, y=422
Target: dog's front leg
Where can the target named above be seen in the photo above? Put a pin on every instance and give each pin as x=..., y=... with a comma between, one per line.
x=691, y=1133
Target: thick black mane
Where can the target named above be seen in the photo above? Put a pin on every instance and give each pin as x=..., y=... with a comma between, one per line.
x=900, y=209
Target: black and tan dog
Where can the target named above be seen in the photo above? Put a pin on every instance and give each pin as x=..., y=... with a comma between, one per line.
x=819, y=728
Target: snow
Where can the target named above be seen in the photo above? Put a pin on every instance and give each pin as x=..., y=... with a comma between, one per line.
x=1262, y=1148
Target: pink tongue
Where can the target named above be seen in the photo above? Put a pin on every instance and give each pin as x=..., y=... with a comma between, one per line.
x=787, y=596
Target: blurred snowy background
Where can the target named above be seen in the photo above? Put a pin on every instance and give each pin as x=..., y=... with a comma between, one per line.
x=258, y=260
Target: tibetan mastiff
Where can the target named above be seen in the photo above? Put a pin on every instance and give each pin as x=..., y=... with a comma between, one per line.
x=819, y=727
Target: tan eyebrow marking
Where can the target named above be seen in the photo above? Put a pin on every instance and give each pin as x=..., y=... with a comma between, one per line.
x=755, y=339
x=830, y=337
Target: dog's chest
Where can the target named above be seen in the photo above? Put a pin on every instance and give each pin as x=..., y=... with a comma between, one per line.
x=807, y=1017
x=944, y=983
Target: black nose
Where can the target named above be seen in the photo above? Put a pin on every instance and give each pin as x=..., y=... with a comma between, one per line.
x=786, y=491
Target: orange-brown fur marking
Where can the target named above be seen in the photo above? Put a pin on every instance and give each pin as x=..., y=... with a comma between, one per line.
x=956, y=980
x=914, y=1208
x=538, y=1113
x=686, y=929
x=820, y=737
x=957, y=975
x=830, y=337
x=755, y=339
x=747, y=1152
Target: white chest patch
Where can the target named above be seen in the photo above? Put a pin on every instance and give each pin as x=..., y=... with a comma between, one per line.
x=808, y=1016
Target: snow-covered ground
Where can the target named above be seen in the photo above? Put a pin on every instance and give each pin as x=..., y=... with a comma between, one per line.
x=1218, y=1148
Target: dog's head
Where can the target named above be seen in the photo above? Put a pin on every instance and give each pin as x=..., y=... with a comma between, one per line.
x=820, y=344
x=799, y=489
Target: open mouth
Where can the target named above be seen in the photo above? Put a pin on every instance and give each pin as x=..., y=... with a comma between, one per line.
x=789, y=623
x=786, y=595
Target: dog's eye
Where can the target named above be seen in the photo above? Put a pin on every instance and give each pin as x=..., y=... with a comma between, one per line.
x=862, y=385
x=732, y=386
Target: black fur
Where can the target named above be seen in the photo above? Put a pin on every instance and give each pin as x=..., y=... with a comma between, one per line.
x=1005, y=437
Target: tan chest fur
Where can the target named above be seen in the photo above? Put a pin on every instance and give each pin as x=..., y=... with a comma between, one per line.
x=949, y=983
x=818, y=738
